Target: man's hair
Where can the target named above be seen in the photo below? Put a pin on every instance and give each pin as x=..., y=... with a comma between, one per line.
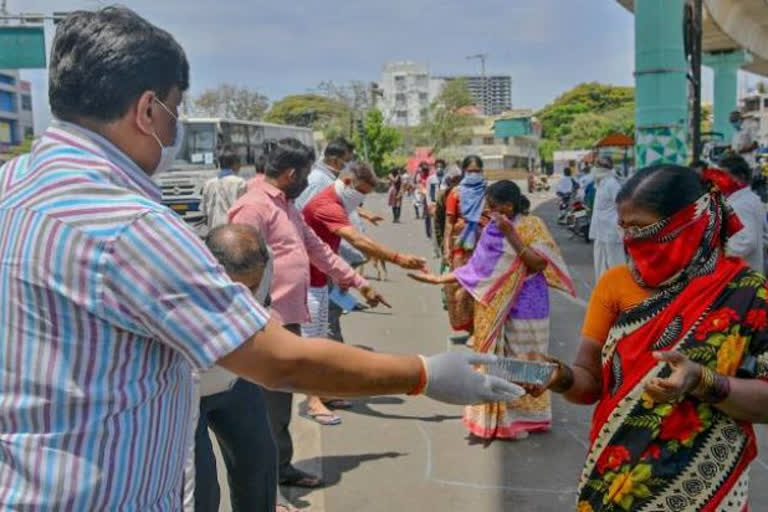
x=238, y=247
x=361, y=171
x=440, y=161
x=738, y=167
x=338, y=148
x=228, y=158
x=103, y=61
x=285, y=154
x=260, y=163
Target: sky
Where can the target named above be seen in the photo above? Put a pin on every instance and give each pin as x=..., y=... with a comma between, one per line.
x=288, y=47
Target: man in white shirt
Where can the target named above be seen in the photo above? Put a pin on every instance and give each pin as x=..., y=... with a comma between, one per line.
x=747, y=243
x=603, y=230
x=744, y=142
x=565, y=185
x=221, y=192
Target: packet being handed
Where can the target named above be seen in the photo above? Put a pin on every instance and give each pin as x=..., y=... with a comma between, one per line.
x=521, y=371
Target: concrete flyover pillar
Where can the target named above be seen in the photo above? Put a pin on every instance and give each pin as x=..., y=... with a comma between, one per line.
x=661, y=87
x=726, y=67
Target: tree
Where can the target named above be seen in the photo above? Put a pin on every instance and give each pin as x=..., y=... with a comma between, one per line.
x=583, y=115
x=377, y=142
x=318, y=112
x=233, y=102
x=447, y=125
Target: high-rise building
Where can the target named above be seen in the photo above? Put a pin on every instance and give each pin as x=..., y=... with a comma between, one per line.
x=16, y=118
x=493, y=93
x=407, y=91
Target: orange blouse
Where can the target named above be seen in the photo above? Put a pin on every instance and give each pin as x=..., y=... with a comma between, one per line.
x=616, y=292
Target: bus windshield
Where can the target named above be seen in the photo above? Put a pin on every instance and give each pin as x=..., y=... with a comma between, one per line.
x=199, y=146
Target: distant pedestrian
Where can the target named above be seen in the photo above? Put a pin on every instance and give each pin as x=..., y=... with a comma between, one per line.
x=604, y=228
x=221, y=192
x=395, y=194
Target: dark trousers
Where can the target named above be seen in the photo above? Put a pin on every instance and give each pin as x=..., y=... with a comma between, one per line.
x=280, y=406
x=428, y=224
x=396, y=210
x=239, y=420
x=334, y=322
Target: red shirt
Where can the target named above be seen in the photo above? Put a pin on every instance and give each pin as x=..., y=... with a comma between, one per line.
x=325, y=214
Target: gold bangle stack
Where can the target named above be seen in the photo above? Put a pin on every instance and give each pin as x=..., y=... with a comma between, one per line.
x=706, y=384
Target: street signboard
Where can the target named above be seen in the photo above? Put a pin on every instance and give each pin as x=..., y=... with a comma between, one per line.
x=22, y=47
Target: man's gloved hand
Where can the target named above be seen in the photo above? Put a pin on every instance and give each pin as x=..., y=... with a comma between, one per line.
x=452, y=379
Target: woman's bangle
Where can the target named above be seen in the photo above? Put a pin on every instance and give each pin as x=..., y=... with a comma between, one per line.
x=712, y=387
x=565, y=380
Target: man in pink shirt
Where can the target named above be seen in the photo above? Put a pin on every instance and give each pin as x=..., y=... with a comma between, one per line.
x=268, y=205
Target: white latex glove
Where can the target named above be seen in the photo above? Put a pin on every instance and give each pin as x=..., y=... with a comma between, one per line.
x=452, y=379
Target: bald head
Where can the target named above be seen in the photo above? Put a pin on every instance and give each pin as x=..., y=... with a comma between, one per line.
x=239, y=248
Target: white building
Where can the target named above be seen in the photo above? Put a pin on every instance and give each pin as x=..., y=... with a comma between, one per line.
x=755, y=105
x=408, y=89
x=16, y=119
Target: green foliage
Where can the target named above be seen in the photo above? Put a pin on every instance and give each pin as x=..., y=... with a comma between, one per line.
x=23, y=148
x=378, y=142
x=588, y=112
x=328, y=115
x=446, y=125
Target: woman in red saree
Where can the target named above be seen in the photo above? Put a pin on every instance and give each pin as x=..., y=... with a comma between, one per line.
x=675, y=354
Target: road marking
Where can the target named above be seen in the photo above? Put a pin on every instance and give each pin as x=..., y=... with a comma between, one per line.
x=457, y=483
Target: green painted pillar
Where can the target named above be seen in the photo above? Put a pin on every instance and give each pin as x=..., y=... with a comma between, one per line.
x=726, y=67
x=661, y=84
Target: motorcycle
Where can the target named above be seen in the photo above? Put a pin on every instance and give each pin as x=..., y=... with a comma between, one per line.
x=579, y=219
x=564, y=206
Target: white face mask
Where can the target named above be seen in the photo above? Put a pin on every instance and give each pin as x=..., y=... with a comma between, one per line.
x=168, y=154
x=265, y=285
x=351, y=197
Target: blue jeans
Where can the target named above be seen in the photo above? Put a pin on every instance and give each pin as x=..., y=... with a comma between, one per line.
x=240, y=421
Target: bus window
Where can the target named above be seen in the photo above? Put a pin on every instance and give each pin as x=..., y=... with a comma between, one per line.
x=199, y=146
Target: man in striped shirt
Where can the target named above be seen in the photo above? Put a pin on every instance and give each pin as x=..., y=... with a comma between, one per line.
x=110, y=300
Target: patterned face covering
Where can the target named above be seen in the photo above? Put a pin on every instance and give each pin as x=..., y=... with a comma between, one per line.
x=674, y=248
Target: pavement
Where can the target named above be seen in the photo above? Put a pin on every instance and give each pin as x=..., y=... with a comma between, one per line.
x=396, y=453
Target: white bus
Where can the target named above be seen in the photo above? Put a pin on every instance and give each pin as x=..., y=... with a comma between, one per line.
x=197, y=160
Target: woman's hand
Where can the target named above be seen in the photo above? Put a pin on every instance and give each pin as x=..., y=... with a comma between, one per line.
x=508, y=228
x=683, y=380
x=426, y=277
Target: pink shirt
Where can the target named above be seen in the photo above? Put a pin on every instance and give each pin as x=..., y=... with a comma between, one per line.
x=294, y=246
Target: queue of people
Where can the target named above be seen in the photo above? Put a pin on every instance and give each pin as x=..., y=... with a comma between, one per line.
x=126, y=337
x=113, y=305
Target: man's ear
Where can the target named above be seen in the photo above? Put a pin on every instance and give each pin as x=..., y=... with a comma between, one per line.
x=145, y=111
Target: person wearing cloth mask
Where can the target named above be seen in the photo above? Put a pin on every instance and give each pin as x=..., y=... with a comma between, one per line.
x=515, y=262
x=744, y=141
x=732, y=179
x=463, y=215
x=328, y=214
x=111, y=301
x=234, y=409
x=604, y=227
x=674, y=354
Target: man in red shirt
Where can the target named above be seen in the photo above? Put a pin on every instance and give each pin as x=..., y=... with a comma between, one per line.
x=328, y=215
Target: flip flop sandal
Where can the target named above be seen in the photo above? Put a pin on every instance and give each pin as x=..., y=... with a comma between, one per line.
x=325, y=418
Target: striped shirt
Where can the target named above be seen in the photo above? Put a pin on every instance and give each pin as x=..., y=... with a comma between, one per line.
x=109, y=303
